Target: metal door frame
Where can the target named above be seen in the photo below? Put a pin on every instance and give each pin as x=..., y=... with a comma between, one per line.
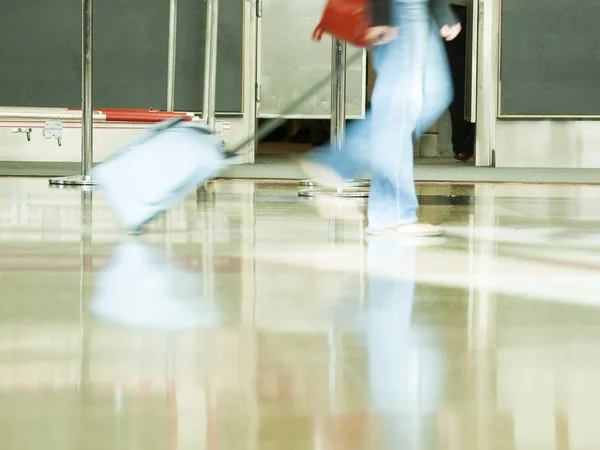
x=251, y=13
x=485, y=56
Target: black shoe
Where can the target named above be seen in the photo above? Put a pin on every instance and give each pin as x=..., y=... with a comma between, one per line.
x=464, y=157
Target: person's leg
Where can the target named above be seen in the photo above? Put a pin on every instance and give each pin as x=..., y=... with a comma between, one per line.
x=332, y=166
x=463, y=132
x=412, y=90
x=395, y=103
x=409, y=91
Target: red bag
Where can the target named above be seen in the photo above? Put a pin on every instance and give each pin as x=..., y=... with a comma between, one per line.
x=346, y=20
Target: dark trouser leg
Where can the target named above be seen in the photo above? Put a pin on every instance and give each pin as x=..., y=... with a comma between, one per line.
x=463, y=132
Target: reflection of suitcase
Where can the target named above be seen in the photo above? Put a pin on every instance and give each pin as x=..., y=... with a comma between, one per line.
x=157, y=170
x=139, y=288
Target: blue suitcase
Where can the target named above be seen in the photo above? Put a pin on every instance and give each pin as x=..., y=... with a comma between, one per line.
x=157, y=170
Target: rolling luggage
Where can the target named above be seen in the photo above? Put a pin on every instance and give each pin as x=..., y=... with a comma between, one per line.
x=162, y=166
x=157, y=170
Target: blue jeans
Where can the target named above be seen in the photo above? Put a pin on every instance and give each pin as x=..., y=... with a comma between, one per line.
x=413, y=88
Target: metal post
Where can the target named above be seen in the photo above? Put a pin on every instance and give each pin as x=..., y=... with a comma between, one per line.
x=352, y=188
x=210, y=63
x=338, y=94
x=172, y=61
x=207, y=50
x=87, y=121
x=211, y=41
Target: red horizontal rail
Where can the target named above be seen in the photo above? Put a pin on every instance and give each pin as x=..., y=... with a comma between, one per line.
x=122, y=109
x=138, y=115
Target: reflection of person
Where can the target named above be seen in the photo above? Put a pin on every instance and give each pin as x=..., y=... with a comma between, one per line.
x=403, y=377
x=463, y=132
x=412, y=89
x=388, y=325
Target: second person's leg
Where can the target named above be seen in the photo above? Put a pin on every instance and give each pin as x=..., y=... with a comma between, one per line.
x=463, y=132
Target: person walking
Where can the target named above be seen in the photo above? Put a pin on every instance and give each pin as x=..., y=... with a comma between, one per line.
x=413, y=88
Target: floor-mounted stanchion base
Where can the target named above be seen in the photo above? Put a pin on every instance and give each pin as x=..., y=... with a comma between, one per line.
x=72, y=181
x=351, y=189
x=348, y=183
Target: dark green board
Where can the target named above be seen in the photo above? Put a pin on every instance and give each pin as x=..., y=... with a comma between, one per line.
x=550, y=62
x=41, y=54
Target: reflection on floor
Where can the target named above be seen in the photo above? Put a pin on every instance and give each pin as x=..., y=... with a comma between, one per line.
x=245, y=320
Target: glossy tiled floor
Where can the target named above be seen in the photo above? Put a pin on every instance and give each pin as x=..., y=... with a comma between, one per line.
x=245, y=320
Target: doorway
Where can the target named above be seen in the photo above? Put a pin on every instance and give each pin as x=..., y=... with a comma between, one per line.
x=309, y=127
x=451, y=140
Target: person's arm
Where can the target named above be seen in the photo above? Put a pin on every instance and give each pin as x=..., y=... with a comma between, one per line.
x=443, y=13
